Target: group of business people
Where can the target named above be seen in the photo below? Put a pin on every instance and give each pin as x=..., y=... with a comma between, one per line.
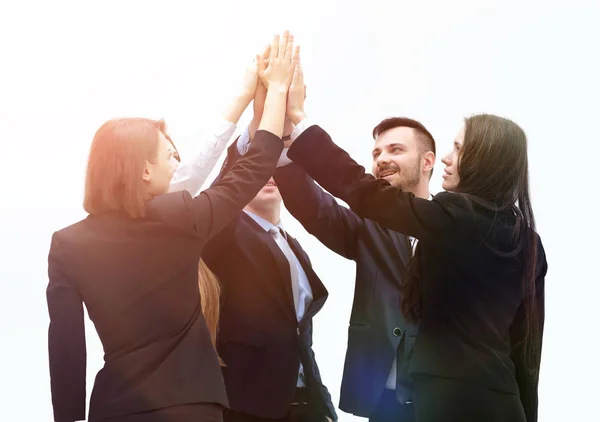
x=204, y=303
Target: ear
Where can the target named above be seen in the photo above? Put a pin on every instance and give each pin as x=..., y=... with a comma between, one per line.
x=428, y=161
x=146, y=175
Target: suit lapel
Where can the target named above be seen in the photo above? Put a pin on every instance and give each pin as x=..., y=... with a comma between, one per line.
x=279, y=259
x=319, y=292
x=401, y=245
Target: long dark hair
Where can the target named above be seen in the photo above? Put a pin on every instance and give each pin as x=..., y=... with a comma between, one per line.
x=494, y=174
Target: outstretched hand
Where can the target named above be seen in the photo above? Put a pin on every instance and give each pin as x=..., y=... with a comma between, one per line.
x=296, y=96
x=282, y=61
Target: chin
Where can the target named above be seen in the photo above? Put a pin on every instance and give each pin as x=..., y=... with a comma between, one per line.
x=448, y=186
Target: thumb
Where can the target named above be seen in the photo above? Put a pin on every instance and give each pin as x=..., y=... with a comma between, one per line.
x=260, y=63
x=296, y=76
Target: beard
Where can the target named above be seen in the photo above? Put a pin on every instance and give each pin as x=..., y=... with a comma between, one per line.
x=406, y=178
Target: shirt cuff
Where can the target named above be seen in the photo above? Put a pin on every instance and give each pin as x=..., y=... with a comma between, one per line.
x=224, y=130
x=243, y=142
x=283, y=159
x=300, y=127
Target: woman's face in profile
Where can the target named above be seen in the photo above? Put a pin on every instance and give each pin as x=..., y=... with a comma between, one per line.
x=450, y=175
x=158, y=173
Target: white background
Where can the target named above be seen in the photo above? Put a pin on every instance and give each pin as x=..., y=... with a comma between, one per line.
x=67, y=67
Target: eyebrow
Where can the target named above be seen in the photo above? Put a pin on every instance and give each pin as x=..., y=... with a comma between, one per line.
x=396, y=144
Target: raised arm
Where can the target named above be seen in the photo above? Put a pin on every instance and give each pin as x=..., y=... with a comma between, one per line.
x=334, y=225
x=320, y=214
x=208, y=213
x=526, y=378
x=375, y=199
x=192, y=173
x=66, y=341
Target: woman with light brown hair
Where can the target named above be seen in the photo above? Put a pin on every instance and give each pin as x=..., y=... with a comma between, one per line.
x=133, y=262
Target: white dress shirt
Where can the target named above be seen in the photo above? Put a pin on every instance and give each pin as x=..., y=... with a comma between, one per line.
x=191, y=174
x=305, y=295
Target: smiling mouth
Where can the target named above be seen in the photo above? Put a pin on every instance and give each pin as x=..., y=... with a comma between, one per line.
x=386, y=173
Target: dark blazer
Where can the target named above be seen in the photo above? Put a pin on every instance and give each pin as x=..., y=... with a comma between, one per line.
x=139, y=282
x=260, y=339
x=472, y=321
x=378, y=331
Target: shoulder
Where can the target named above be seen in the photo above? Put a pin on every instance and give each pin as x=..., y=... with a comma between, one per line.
x=172, y=209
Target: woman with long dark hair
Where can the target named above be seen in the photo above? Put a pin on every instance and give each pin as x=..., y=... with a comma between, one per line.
x=475, y=284
x=133, y=262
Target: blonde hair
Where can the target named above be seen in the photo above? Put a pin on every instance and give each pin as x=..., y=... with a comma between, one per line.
x=210, y=292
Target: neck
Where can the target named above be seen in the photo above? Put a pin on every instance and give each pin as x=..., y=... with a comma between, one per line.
x=270, y=212
x=422, y=189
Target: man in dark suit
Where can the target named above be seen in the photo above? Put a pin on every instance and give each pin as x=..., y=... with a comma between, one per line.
x=270, y=294
x=374, y=383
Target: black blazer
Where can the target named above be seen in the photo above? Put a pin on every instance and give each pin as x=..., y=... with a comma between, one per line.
x=260, y=339
x=472, y=320
x=139, y=282
x=378, y=331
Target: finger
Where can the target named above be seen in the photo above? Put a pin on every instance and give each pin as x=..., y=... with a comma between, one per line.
x=275, y=46
x=300, y=74
x=283, y=44
x=289, y=48
x=267, y=52
x=305, y=92
x=296, y=77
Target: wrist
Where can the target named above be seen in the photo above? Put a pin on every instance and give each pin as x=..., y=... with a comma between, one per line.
x=278, y=87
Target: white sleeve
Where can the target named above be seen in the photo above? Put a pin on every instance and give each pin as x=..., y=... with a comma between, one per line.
x=191, y=174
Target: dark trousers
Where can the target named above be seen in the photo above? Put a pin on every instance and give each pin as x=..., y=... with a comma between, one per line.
x=300, y=411
x=440, y=399
x=202, y=412
x=389, y=409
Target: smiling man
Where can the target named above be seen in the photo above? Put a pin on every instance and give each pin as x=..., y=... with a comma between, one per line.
x=375, y=382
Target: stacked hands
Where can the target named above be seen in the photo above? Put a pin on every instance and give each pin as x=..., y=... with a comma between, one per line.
x=278, y=71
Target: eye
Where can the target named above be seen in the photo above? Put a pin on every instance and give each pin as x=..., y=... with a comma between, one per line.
x=396, y=150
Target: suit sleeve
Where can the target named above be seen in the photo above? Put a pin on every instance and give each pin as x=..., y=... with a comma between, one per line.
x=214, y=208
x=66, y=341
x=334, y=225
x=528, y=382
x=371, y=198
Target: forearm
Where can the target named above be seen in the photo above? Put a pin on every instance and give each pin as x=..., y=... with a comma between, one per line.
x=274, y=112
x=334, y=225
x=235, y=109
x=191, y=174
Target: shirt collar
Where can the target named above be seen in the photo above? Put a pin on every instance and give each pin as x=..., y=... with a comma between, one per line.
x=266, y=225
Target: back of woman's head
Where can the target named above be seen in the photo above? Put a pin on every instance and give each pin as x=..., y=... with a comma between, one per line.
x=116, y=163
x=493, y=164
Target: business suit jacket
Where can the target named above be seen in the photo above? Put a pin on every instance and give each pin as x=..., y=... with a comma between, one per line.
x=139, y=282
x=260, y=339
x=378, y=332
x=472, y=322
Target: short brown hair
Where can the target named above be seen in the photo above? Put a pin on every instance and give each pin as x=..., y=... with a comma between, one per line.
x=116, y=162
x=427, y=142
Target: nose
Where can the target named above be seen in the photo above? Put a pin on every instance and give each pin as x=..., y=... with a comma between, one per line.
x=382, y=159
x=446, y=159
